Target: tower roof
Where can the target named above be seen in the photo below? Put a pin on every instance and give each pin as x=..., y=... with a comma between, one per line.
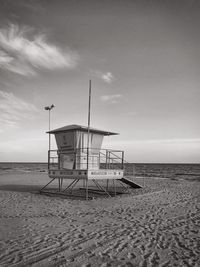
x=75, y=127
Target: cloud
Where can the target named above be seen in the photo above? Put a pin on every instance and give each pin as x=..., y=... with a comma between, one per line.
x=13, y=110
x=25, y=55
x=131, y=113
x=159, y=141
x=106, y=77
x=111, y=99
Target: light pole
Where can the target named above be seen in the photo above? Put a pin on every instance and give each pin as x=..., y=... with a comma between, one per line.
x=49, y=108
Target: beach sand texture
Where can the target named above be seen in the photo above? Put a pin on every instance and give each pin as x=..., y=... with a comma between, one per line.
x=154, y=226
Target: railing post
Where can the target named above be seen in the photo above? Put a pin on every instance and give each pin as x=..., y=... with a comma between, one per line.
x=87, y=157
x=122, y=160
x=48, y=158
x=106, y=159
x=99, y=160
x=58, y=161
x=75, y=158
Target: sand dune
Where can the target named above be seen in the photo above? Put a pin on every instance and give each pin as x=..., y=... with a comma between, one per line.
x=154, y=226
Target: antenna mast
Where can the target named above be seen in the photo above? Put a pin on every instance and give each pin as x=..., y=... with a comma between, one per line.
x=88, y=137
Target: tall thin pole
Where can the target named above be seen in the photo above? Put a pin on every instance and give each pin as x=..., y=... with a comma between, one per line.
x=49, y=129
x=88, y=137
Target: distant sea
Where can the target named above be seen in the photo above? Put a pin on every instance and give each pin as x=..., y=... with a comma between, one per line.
x=172, y=171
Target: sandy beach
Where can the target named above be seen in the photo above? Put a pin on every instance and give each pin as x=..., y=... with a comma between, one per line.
x=99, y=106
x=157, y=225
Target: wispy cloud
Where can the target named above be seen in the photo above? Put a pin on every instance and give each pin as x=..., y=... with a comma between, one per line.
x=132, y=113
x=107, y=77
x=23, y=54
x=13, y=110
x=159, y=141
x=111, y=99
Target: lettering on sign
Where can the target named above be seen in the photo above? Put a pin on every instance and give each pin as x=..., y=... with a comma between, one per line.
x=104, y=173
x=99, y=173
x=67, y=173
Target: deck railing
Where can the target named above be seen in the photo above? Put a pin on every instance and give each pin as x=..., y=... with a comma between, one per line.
x=86, y=158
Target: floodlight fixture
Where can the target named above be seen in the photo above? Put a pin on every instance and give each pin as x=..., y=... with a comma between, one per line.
x=49, y=108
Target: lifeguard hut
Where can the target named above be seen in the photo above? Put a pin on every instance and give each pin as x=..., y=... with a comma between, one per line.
x=79, y=156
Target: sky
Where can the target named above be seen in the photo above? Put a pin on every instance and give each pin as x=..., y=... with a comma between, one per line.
x=142, y=56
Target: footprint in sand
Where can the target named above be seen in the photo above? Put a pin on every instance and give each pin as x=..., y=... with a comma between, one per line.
x=131, y=256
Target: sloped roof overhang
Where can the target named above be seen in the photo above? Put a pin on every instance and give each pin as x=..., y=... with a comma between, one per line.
x=75, y=127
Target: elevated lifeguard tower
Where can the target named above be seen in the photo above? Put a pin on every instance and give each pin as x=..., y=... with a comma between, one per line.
x=79, y=157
